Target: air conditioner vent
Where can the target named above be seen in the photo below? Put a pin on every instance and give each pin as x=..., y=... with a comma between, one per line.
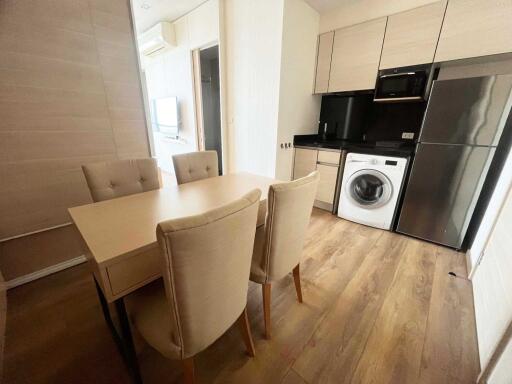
x=157, y=38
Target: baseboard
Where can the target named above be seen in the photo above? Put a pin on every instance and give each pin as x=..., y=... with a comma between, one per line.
x=323, y=205
x=469, y=264
x=45, y=272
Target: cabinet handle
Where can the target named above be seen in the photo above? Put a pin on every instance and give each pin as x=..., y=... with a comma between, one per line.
x=328, y=164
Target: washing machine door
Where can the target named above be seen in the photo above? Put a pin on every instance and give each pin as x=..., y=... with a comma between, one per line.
x=369, y=189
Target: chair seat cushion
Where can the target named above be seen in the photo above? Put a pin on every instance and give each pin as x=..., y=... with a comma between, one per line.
x=149, y=312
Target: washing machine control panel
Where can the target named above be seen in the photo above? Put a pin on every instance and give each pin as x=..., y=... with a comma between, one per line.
x=376, y=160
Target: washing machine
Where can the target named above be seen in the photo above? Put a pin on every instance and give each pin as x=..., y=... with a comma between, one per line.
x=370, y=189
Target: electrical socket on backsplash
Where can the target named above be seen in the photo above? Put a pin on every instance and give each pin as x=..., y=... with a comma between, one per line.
x=407, y=135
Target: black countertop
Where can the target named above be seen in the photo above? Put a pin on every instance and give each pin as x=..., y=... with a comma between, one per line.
x=400, y=149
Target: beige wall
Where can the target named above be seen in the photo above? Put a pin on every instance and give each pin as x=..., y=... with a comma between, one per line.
x=70, y=94
x=170, y=74
x=353, y=12
x=501, y=372
x=252, y=52
x=298, y=109
x=492, y=287
x=270, y=51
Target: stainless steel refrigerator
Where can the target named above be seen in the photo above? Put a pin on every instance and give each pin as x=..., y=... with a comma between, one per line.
x=463, y=123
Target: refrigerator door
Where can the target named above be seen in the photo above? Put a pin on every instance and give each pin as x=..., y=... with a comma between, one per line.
x=443, y=189
x=467, y=111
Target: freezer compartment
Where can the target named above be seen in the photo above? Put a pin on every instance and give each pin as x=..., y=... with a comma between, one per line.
x=442, y=192
x=467, y=111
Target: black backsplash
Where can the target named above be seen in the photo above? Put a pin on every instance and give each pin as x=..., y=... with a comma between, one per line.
x=388, y=121
x=344, y=117
x=358, y=118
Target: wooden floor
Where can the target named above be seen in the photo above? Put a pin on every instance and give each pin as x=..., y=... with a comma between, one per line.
x=378, y=308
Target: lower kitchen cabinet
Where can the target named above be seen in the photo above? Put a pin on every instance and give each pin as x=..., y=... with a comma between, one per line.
x=304, y=162
x=327, y=164
x=327, y=184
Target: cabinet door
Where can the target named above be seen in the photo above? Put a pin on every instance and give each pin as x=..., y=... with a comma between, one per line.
x=304, y=163
x=327, y=184
x=323, y=62
x=474, y=28
x=411, y=37
x=356, y=55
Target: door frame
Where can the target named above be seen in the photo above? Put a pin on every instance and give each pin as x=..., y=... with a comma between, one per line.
x=198, y=98
x=198, y=102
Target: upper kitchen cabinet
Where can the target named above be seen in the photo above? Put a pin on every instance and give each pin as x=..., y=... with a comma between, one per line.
x=355, y=56
x=323, y=62
x=474, y=28
x=411, y=36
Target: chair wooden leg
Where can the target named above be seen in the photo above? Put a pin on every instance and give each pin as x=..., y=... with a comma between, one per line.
x=266, y=308
x=188, y=370
x=245, y=330
x=296, y=279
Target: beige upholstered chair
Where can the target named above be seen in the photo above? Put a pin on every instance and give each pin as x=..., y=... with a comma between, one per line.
x=195, y=166
x=207, y=260
x=278, y=244
x=118, y=178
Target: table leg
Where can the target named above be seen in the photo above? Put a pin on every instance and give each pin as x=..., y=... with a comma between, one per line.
x=129, y=347
x=124, y=341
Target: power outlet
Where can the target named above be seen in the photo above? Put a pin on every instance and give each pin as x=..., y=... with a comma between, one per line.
x=407, y=135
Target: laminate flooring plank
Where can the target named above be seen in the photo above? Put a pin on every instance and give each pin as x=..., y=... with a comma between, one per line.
x=449, y=355
x=393, y=351
x=331, y=355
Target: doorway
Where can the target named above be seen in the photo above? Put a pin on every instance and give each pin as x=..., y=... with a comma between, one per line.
x=209, y=128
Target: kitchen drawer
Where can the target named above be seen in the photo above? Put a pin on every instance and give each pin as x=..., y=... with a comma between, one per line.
x=327, y=184
x=329, y=157
x=304, y=162
x=134, y=271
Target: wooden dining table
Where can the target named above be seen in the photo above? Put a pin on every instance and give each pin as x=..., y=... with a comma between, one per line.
x=120, y=238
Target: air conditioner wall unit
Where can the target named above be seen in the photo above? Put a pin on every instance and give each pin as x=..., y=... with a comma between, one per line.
x=157, y=38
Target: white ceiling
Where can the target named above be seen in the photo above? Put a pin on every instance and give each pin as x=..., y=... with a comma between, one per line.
x=327, y=5
x=149, y=12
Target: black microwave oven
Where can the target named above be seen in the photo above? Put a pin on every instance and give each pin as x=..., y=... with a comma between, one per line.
x=403, y=84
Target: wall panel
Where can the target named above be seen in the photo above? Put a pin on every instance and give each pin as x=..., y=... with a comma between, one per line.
x=25, y=255
x=70, y=94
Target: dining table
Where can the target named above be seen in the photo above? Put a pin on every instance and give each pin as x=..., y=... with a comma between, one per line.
x=119, y=236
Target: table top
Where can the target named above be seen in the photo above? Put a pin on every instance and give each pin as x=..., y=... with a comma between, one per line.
x=117, y=228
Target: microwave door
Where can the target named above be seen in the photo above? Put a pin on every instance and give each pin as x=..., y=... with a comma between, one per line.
x=398, y=87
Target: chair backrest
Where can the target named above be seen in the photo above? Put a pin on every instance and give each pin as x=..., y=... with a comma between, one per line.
x=289, y=211
x=195, y=166
x=207, y=261
x=117, y=178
